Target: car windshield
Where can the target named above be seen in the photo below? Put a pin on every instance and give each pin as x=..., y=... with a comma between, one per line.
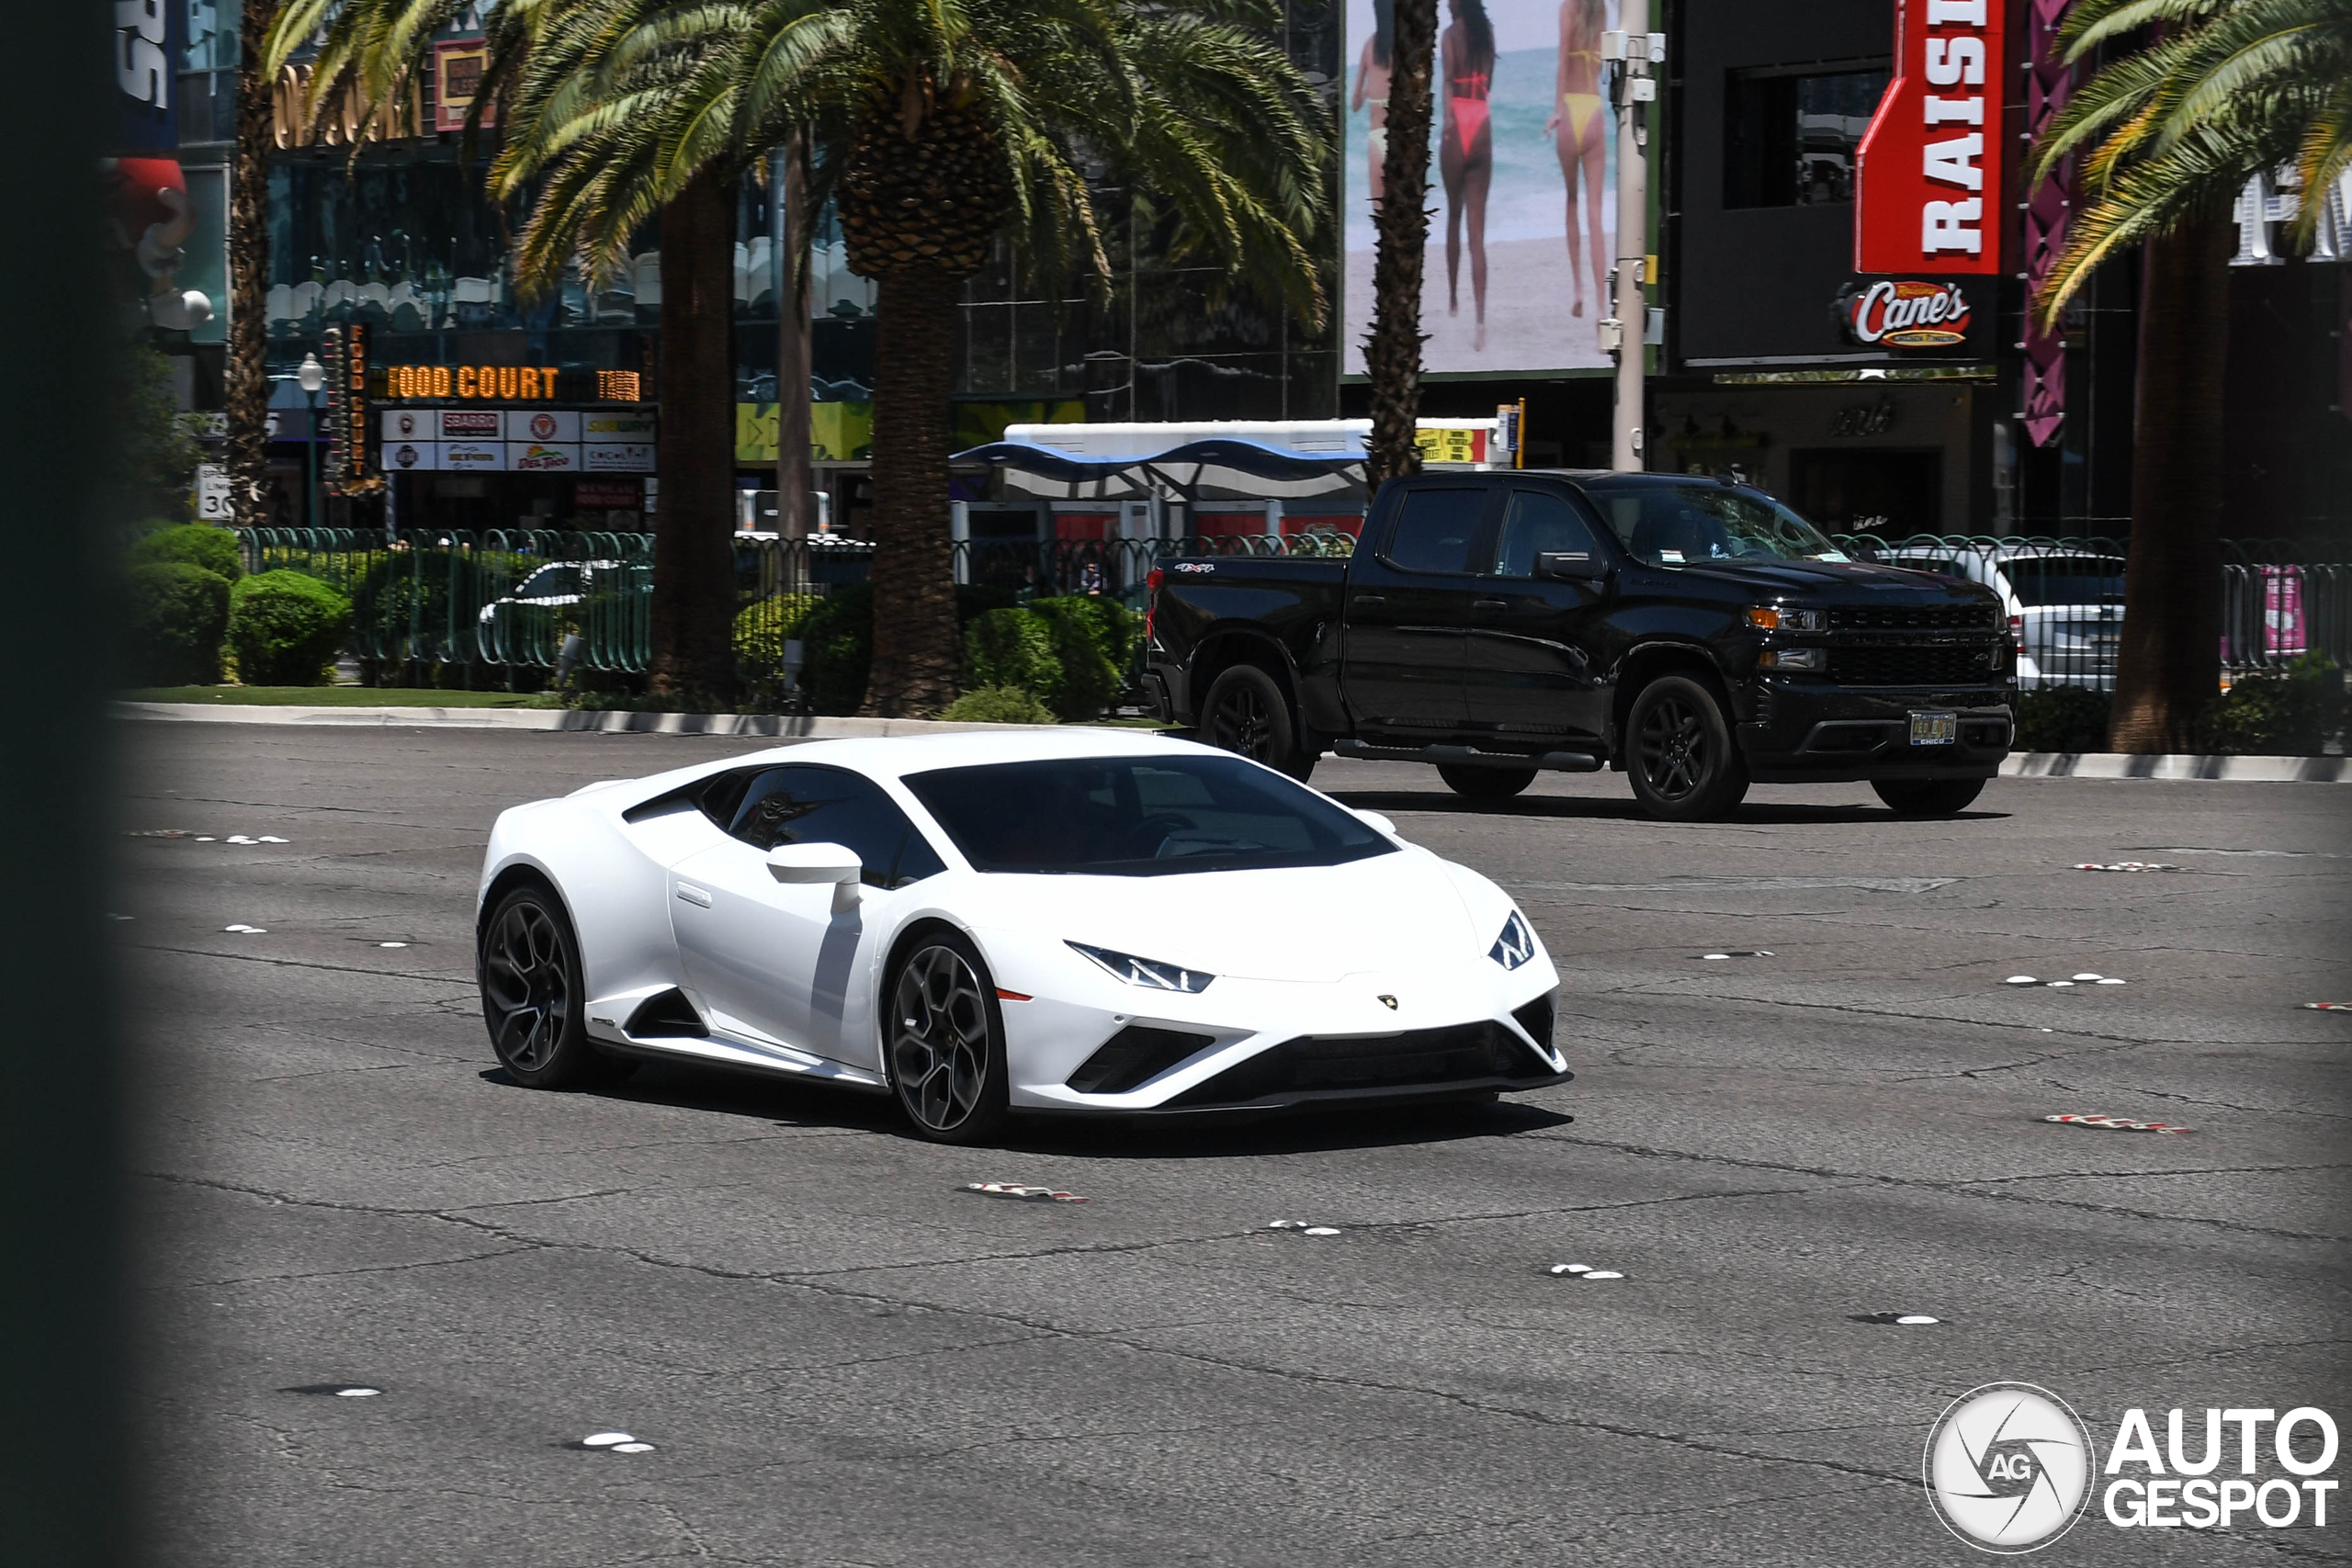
x=1139, y=816
x=1678, y=524
x=2065, y=580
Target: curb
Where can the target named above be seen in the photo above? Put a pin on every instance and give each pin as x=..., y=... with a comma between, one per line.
x=802, y=727
x=2226, y=769
x=788, y=727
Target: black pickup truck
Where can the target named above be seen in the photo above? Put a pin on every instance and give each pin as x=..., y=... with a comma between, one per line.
x=1695, y=634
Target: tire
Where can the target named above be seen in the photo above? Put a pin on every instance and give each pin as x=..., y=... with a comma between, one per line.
x=1681, y=756
x=532, y=999
x=943, y=1040
x=1927, y=797
x=1245, y=713
x=1486, y=783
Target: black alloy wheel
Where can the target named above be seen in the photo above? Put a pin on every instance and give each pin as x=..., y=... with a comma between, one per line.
x=533, y=1000
x=1486, y=784
x=1927, y=797
x=1245, y=713
x=946, y=1041
x=1683, y=764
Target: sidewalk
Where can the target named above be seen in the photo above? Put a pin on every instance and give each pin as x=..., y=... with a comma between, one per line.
x=791, y=726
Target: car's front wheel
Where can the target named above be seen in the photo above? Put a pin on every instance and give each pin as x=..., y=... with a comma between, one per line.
x=1927, y=797
x=1683, y=763
x=1247, y=713
x=1486, y=783
x=532, y=999
x=946, y=1041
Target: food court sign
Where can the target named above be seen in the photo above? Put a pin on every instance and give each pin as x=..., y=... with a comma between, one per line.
x=1928, y=177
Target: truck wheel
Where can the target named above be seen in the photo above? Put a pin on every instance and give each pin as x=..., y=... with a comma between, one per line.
x=1486, y=783
x=1247, y=713
x=1927, y=797
x=1682, y=759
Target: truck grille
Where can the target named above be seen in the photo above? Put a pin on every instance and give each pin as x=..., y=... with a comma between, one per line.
x=1912, y=618
x=1939, y=666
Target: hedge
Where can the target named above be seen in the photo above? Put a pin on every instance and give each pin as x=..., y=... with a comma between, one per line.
x=197, y=544
x=998, y=705
x=837, y=640
x=284, y=628
x=2061, y=719
x=764, y=627
x=175, y=616
x=2294, y=711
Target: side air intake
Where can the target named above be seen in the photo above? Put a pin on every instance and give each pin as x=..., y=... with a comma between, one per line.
x=665, y=1014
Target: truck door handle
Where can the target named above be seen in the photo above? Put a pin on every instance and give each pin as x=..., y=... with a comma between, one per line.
x=1490, y=604
x=1372, y=599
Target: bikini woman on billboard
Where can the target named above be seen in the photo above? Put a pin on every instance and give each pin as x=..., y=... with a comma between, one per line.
x=1372, y=88
x=1579, y=126
x=1466, y=156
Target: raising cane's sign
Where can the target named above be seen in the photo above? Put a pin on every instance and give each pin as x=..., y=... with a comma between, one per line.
x=1928, y=177
x=1908, y=313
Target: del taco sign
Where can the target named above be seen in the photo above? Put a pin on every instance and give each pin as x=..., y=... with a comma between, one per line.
x=1904, y=313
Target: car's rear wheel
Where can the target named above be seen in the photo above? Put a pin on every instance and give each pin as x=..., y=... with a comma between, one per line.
x=532, y=999
x=1247, y=713
x=946, y=1043
x=1927, y=797
x=1486, y=783
x=1683, y=763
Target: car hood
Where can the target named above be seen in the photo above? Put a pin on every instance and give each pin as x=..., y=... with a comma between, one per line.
x=1837, y=579
x=1391, y=914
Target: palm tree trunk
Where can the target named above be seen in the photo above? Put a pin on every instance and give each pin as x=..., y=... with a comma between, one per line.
x=915, y=652
x=1393, y=354
x=247, y=365
x=792, y=357
x=693, y=559
x=2169, y=657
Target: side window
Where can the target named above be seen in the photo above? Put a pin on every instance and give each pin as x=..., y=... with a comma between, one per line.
x=1434, y=529
x=1537, y=524
x=801, y=805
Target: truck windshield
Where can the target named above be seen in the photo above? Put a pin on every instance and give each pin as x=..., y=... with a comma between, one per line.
x=1678, y=524
x=1139, y=816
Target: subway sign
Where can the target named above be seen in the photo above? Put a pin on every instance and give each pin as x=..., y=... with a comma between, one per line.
x=1929, y=173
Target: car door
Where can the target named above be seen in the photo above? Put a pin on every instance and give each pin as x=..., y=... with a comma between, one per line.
x=1531, y=665
x=1408, y=611
x=777, y=965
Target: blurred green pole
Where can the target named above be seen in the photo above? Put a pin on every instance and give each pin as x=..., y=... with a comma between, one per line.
x=67, y=1500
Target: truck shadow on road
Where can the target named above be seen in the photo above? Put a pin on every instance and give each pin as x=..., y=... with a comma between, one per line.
x=1577, y=807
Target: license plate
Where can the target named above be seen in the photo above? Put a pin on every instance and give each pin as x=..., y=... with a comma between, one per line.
x=1934, y=729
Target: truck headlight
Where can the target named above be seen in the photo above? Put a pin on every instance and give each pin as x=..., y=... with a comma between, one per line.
x=1773, y=618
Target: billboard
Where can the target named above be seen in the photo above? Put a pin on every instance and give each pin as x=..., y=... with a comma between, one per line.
x=1523, y=185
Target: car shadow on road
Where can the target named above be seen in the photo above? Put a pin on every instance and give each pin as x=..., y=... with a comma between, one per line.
x=1574, y=807
x=723, y=1091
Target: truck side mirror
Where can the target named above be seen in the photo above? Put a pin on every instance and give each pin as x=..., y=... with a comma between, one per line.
x=1574, y=566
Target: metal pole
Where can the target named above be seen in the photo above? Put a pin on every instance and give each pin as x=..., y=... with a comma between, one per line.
x=311, y=448
x=1635, y=89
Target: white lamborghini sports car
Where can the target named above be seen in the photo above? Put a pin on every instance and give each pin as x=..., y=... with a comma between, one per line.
x=993, y=921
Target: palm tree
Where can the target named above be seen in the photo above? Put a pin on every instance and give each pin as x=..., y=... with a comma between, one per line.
x=378, y=49
x=2203, y=95
x=1392, y=356
x=247, y=364
x=937, y=129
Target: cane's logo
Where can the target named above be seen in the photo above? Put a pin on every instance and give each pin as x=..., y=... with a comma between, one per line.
x=2009, y=1467
x=1905, y=314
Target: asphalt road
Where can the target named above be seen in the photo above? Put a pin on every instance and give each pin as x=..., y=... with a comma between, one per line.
x=841, y=1358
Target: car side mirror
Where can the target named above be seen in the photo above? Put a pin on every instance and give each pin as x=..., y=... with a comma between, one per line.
x=1571, y=566
x=815, y=863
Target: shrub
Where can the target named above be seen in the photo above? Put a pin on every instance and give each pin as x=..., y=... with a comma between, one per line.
x=283, y=627
x=837, y=641
x=764, y=625
x=198, y=544
x=1089, y=641
x=2293, y=711
x=1018, y=649
x=2061, y=719
x=176, y=615
x=998, y=705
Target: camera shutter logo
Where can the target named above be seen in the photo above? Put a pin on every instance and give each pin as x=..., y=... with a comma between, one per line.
x=2009, y=1467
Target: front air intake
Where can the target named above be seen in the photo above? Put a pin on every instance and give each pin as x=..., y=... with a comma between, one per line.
x=1134, y=1057
x=1535, y=1018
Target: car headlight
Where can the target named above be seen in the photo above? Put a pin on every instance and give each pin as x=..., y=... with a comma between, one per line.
x=1150, y=973
x=1774, y=619
x=1516, y=945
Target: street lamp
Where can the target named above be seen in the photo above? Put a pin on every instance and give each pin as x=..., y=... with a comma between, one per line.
x=311, y=375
